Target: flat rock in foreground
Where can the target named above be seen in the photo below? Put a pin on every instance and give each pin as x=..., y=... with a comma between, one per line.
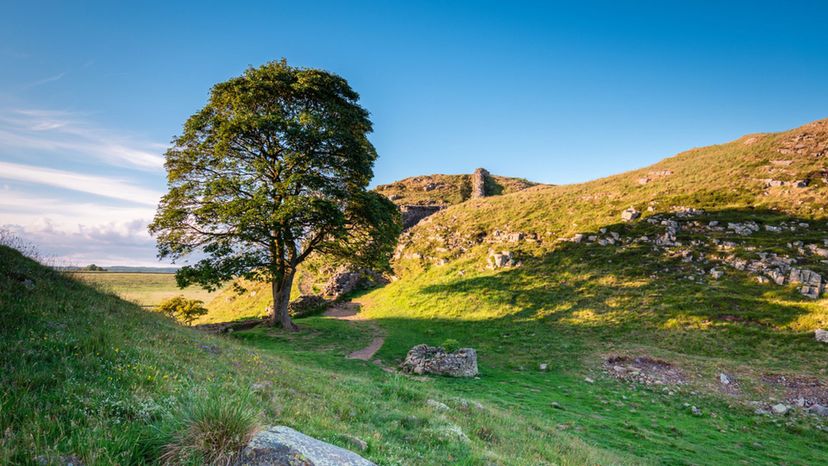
x=283, y=446
x=424, y=359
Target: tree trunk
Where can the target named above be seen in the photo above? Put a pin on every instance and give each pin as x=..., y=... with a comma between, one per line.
x=281, y=298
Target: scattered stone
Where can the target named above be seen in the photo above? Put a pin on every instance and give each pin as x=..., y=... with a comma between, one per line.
x=630, y=214
x=818, y=409
x=644, y=370
x=588, y=380
x=436, y=405
x=821, y=335
x=577, y=238
x=355, y=442
x=556, y=405
x=695, y=411
x=280, y=445
x=716, y=274
x=424, y=359
x=724, y=379
x=498, y=260
x=779, y=408
x=543, y=367
x=811, y=282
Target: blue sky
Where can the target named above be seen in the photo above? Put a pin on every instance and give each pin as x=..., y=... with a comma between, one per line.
x=557, y=92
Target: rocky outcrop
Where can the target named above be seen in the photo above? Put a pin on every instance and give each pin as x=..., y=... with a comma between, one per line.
x=412, y=214
x=346, y=280
x=307, y=305
x=478, y=181
x=283, y=446
x=811, y=282
x=424, y=359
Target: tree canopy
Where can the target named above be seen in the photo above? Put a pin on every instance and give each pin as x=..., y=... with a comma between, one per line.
x=275, y=167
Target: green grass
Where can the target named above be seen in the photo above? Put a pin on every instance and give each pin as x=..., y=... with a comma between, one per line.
x=572, y=305
x=88, y=375
x=145, y=289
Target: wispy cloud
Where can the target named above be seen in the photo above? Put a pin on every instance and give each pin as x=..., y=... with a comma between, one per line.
x=91, y=184
x=46, y=80
x=72, y=136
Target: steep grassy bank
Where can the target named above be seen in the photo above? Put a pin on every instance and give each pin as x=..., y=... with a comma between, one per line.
x=86, y=375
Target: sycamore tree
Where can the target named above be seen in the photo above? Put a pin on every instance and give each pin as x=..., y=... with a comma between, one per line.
x=273, y=169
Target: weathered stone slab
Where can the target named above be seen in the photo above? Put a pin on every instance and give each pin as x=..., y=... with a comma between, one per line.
x=283, y=446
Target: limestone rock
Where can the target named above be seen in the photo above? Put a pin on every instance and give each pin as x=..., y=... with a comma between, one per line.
x=479, y=183
x=280, y=445
x=821, y=335
x=630, y=214
x=779, y=408
x=498, y=260
x=811, y=282
x=424, y=359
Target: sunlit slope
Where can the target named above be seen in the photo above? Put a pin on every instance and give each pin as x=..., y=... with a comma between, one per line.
x=781, y=172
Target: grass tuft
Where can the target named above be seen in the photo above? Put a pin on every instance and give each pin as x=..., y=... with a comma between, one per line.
x=212, y=431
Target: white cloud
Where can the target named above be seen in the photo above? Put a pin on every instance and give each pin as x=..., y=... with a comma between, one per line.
x=70, y=135
x=46, y=80
x=98, y=185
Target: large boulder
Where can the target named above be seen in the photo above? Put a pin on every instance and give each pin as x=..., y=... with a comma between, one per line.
x=283, y=446
x=424, y=359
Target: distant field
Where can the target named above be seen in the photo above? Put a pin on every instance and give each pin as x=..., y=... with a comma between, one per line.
x=146, y=289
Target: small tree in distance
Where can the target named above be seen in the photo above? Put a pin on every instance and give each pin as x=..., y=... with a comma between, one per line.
x=274, y=168
x=182, y=309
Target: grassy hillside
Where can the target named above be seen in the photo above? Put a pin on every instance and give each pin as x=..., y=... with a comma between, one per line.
x=583, y=306
x=446, y=190
x=86, y=376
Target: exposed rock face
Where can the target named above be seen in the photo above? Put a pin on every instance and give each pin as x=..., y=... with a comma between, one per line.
x=412, y=214
x=347, y=280
x=424, y=359
x=283, y=446
x=478, y=180
x=628, y=215
x=307, y=305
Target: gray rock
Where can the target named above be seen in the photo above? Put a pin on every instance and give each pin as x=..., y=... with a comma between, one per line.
x=437, y=405
x=498, y=260
x=543, y=367
x=819, y=410
x=283, y=446
x=811, y=282
x=716, y=274
x=724, y=379
x=821, y=335
x=630, y=214
x=424, y=359
x=779, y=408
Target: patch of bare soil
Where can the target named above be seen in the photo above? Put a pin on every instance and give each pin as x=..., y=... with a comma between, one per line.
x=801, y=391
x=644, y=370
x=350, y=311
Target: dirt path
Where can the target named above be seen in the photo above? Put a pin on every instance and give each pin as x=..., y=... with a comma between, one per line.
x=350, y=312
